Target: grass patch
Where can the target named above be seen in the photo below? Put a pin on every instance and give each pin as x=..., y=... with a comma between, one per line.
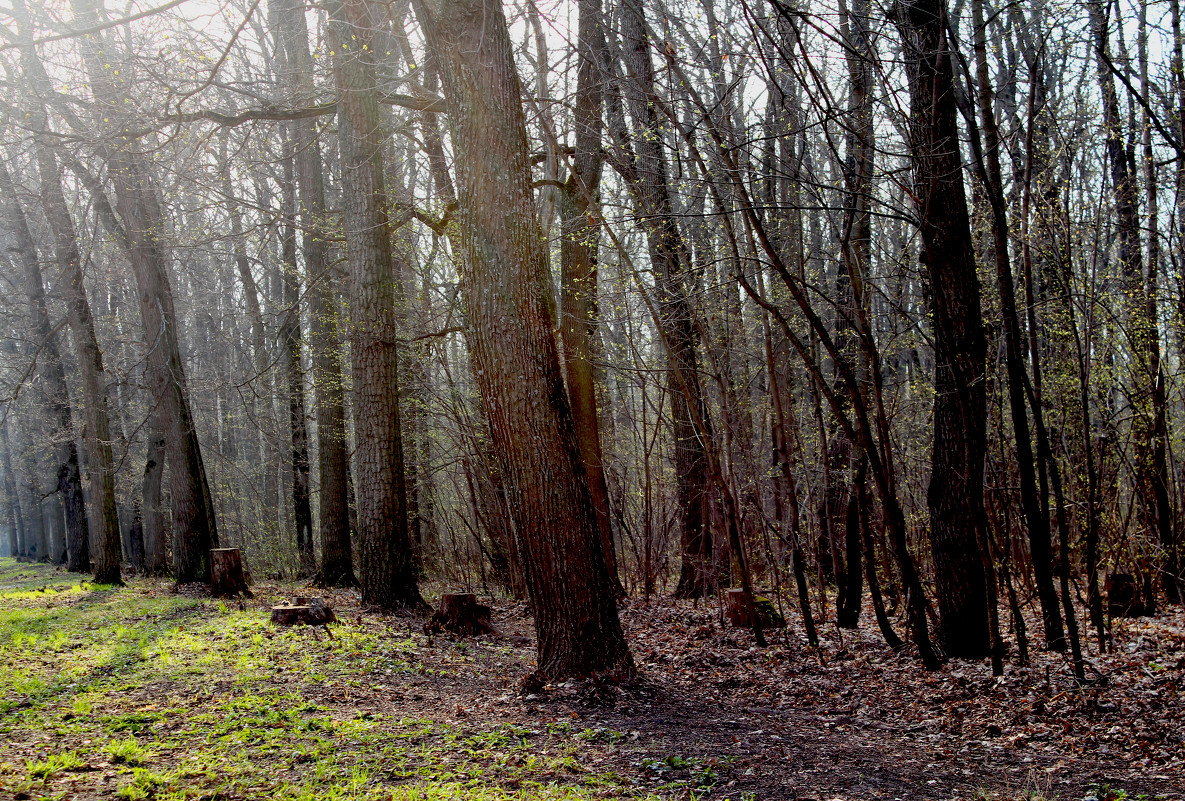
x=139, y=693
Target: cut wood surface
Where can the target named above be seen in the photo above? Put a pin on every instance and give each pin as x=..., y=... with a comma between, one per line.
x=306, y=611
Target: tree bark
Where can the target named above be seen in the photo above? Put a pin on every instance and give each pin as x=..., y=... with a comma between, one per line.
x=646, y=176
x=1036, y=522
x=195, y=530
x=292, y=368
x=54, y=393
x=578, y=257
x=511, y=317
x=337, y=565
x=104, y=525
x=955, y=496
x=387, y=568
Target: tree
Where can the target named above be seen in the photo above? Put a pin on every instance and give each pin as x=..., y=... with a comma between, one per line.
x=955, y=495
x=511, y=318
x=324, y=341
x=53, y=390
x=195, y=530
x=388, y=575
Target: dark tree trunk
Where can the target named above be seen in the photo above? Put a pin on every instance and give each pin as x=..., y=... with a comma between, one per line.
x=291, y=341
x=955, y=496
x=1036, y=522
x=512, y=315
x=386, y=566
x=152, y=516
x=337, y=565
x=646, y=174
x=53, y=384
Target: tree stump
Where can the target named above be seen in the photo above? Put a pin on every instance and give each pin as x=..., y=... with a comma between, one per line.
x=1124, y=598
x=226, y=574
x=744, y=611
x=306, y=611
x=461, y=614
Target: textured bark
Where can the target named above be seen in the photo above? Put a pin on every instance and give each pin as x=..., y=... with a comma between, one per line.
x=100, y=467
x=152, y=516
x=1036, y=522
x=52, y=383
x=955, y=495
x=194, y=527
x=337, y=566
x=647, y=178
x=291, y=367
x=516, y=363
x=385, y=560
x=578, y=257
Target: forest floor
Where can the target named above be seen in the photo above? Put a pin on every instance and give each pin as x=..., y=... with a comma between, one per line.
x=144, y=692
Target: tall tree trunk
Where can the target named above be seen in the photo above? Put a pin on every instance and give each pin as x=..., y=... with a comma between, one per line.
x=194, y=529
x=1036, y=523
x=55, y=395
x=337, y=565
x=578, y=258
x=105, y=525
x=386, y=567
x=292, y=368
x=511, y=317
x=646, y=176
x=955, y=496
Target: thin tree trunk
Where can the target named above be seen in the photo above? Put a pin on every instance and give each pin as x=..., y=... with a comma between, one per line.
x=1036, y=523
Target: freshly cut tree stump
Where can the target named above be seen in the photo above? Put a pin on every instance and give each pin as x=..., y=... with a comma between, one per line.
x=744, y=611
x=226, y=574
x=306, y=611
x=461, y=614
x=1124, y=598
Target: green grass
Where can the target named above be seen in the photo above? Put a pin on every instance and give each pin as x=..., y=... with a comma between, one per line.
x=138, y=693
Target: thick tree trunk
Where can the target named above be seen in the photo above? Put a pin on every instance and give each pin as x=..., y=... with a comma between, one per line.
x=386, y=567
x=337, y=565
x=194, y=529
x=104, y=525
x=53, y=385
x=512, y=316
x=955, y=496
x=152, y=516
